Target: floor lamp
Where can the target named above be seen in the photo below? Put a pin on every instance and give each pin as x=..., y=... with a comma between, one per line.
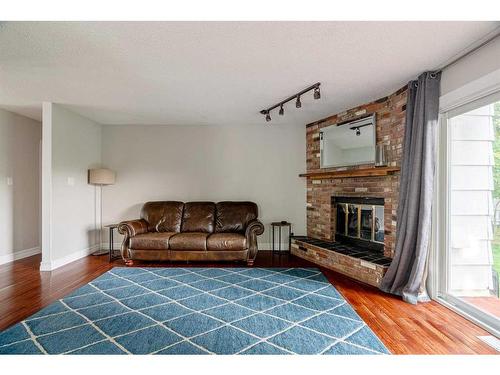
x=101, y=177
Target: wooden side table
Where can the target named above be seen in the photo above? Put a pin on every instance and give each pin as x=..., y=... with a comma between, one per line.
x=112, y=255
x=278, y=225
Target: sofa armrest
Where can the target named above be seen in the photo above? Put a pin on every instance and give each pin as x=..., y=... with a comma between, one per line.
x=254, y=228
x=133, y=227
x=129, y=229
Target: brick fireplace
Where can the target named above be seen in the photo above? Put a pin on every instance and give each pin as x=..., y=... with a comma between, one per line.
x=390, y=113
x=321, y=192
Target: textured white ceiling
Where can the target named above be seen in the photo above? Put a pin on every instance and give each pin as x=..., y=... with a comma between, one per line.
x=192, y=73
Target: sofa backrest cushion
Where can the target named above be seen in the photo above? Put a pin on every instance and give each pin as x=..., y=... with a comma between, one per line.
x=172, y=217
x=234, y=216
x=165, y=216
x=198, y=217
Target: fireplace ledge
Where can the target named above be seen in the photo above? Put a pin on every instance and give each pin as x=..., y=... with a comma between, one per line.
x=364, y=266
x=350, y=173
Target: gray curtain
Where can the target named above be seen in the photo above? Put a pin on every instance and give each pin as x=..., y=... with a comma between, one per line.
x=407, y=272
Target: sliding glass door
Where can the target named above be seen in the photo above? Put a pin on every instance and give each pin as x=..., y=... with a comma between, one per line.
x=470, y=211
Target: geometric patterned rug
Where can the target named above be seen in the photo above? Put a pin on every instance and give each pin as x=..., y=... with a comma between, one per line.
x=197, y=311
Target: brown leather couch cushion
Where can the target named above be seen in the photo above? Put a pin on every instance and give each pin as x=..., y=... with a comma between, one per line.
x=152, y=212
x=189, y=241
x=163, y=216
x=198, y=217
x=151, y=241
x=172, y=217
x=234, y=216
x=226, y=241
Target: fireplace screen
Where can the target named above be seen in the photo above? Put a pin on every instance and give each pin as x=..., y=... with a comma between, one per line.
x=359, y=219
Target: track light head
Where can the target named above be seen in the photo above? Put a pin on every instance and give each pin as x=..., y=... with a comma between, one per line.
x=298, y=103
x=282, y=111
x=268, y=117
x=317, y=93
x=358, y=132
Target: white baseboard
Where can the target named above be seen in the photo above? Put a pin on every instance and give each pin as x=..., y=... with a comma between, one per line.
x=116, y=245
x=56, y=263
x=269, y=246
x=7, y=258
x=266, y=246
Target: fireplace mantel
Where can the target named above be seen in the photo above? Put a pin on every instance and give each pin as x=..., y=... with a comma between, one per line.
x=350, y=173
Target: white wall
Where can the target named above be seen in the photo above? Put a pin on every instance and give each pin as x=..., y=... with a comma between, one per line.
x=19, y=186
x=75, y=147
x=186, y=163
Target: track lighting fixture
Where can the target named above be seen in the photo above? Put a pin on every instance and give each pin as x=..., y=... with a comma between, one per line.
x=317, y=93
x=358, y=131
x=298, y=103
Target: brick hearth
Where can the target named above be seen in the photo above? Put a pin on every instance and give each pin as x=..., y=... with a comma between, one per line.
x=356, y=263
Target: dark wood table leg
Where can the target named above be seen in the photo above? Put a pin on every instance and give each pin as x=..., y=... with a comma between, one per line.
x=272, y=226
x=111, y=248
x=290, y=239
x=279, y=242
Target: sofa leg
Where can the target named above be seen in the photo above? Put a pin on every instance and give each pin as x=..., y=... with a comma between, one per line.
x=129, y=262
x=250, y=262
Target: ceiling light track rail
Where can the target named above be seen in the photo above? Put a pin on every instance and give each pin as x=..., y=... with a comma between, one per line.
x=298, y=103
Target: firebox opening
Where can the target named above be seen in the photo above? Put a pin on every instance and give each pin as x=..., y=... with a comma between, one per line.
x=359, y=222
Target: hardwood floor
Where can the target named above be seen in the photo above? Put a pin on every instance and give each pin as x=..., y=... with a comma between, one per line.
x=405, y=329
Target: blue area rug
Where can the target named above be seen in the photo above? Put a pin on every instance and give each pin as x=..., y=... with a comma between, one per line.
x=197, y=311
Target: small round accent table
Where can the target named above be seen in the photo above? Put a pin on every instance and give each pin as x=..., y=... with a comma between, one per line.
x=112, y=255
x=279, y=225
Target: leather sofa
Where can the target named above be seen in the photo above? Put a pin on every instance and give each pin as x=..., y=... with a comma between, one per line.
x=193, y=231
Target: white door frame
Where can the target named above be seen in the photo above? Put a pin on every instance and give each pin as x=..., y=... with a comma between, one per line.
x=481, y=90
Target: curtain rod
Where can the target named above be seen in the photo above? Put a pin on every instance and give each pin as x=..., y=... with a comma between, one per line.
x=496, y=34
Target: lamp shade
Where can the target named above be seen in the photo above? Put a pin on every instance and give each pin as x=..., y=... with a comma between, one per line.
x=101, y=176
